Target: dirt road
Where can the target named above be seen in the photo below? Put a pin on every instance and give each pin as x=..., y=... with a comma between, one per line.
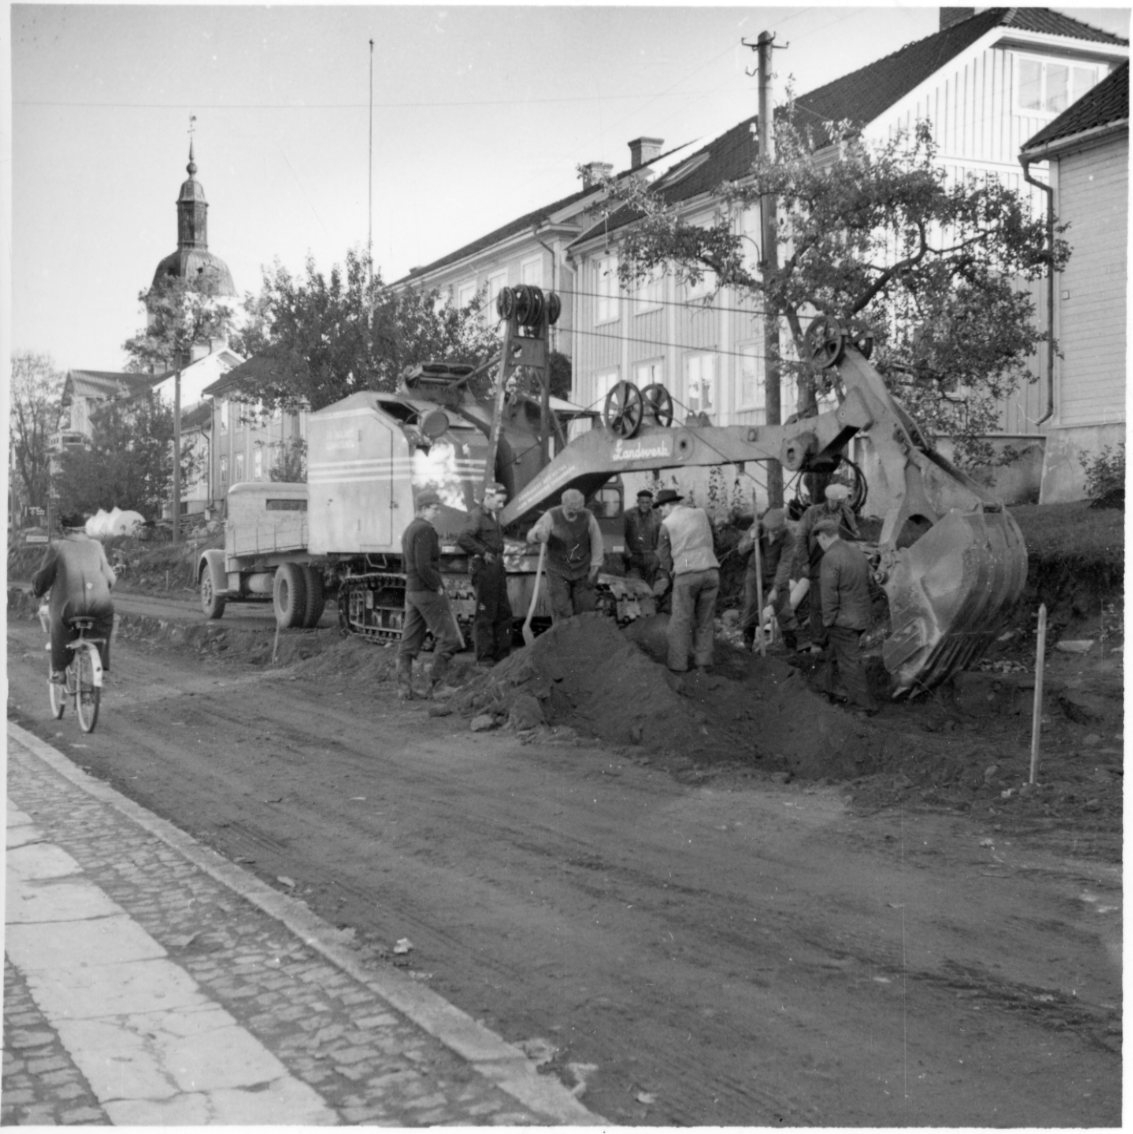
x=711, y=950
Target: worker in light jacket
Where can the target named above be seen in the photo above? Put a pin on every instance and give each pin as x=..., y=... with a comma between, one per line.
x=687, y=559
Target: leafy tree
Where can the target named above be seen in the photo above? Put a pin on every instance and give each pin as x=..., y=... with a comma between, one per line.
x=180, y=314
x=291, y=466
x=127, y=464
x=34, y=415
x=878, y=236
x=327, y=336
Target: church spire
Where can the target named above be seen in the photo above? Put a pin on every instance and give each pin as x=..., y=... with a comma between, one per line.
x=193, y=261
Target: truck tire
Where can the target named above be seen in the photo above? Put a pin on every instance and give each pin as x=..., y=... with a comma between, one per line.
x=289, y=595
x=211, y=602
x=316, y=597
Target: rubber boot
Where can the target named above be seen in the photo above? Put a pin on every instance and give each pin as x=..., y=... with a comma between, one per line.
x=436, y=676
x=405, y=679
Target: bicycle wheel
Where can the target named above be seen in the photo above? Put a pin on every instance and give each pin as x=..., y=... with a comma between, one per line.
x=58, y=694
x=88, y=694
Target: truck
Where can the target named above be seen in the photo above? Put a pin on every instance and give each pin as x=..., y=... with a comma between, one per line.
x=950, y=558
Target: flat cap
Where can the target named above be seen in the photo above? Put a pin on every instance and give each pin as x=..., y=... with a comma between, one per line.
x=424, y=499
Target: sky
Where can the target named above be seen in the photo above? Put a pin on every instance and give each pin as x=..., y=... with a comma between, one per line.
x=308, y=143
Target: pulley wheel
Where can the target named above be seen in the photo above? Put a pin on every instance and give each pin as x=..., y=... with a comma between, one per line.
x=505, y=302
x=658, y=404
x=823, y=341
x=554, y=308
x=535, y=318
x=624, y=409
x=523, y=303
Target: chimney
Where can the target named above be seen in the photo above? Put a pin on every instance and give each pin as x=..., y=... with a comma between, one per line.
x=642, y=150
x=950, y=16
x=593, y=172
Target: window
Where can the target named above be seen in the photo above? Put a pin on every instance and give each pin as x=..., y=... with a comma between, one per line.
x=465, y=294
x=496, y=283
x=651, y=291
x=649, y=373
x=531, y=272
x=238, y=467
x=705, y=286
x=223, y=471
x=605, y=289
x=752, y=392
x=224, y=415
x=258, y=463
x=604, y=382
x=1048, y=86
x=700, y=383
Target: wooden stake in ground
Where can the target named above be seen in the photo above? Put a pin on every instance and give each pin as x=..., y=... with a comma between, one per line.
x=1037, y=711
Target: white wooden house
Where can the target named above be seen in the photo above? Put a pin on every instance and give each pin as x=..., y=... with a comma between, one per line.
x=1086, y=151
x=987, y=82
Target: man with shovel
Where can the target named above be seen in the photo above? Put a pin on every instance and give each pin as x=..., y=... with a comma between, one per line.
x=574, y=554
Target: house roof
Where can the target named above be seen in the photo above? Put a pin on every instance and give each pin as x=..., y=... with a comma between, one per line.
x=861, y=96
x=524, y=223
x=258, y=369
x=1106, y=105
x=109, y=383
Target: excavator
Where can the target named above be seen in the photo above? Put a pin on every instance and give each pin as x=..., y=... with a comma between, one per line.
x=949, y=556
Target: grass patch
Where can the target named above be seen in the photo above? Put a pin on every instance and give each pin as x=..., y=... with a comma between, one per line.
x=1075, y=537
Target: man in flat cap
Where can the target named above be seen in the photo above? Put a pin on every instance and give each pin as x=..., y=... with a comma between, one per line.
x=808, y=551
x=775, y=562
x=426, y=604
x=686, y=555
x=846, y=614
x=76, y=572
x=574, y=554
x=483, y=538
x=641, y=524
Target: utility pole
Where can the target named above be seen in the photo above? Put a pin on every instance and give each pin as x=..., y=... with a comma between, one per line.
x=370, y=196
x=769, y=265
x=177, y=455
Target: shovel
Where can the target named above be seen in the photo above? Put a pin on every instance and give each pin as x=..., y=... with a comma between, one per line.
x=528, y=633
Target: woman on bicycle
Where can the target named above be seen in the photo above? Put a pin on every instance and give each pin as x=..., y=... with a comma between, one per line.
x=76, y=572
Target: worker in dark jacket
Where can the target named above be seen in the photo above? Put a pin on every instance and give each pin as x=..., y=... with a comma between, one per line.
x=641, y=526
x=76, y=572
x=574, y=554
x=426, y=604
x=846, y=613
x=808, y=551
x=483, y=538
x=776, y=561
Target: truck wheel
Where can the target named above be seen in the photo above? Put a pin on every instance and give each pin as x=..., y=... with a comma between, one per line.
x=316, y=597
x=211, y=603
x=289, y=595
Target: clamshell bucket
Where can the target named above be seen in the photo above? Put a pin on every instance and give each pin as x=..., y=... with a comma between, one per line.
x=950, y=593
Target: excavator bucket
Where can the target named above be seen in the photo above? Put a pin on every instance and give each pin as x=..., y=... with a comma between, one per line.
x=949, y=595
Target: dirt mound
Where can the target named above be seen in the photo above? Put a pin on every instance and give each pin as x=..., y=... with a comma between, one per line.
x=588, y=675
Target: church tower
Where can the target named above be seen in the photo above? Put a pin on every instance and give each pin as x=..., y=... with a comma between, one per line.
x=193, y=261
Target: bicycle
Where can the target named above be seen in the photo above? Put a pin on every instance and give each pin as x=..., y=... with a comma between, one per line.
x=82, y=679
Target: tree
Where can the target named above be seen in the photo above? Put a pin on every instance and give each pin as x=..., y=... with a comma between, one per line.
x=180, y=315
x=34, y=415
x=878, y=236
x=291, y=466
x=328, y=336
x=127, y=464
